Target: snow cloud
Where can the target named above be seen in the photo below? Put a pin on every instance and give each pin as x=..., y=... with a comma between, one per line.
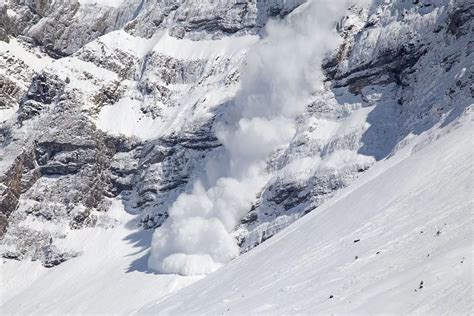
x=277, y=78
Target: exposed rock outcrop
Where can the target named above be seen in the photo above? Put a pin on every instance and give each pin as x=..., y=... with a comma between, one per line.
x=100, y=102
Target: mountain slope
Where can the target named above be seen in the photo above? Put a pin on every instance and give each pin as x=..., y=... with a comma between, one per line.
x=108, y=277
x=399, y=240
x=411, y=215
x=120, y=118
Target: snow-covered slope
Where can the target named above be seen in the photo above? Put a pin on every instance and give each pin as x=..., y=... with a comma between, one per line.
x=217, y=130
x=398, y=240
x=109, y=277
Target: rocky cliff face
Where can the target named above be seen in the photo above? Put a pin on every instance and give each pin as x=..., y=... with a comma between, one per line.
x=121, y=100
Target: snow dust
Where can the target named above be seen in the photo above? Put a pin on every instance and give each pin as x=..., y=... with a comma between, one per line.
x=277, y=77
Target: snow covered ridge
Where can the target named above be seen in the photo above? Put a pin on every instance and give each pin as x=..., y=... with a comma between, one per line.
x=112, y=131
x=63, y=27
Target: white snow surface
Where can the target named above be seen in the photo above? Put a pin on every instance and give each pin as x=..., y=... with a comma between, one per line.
x=126, y=117
x=205, y=49
x=32, y=60
x=106, y=278
x=108, y=3
x=412, y=215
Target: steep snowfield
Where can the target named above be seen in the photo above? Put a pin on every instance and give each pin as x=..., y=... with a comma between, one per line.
x=126, y=116
x=412, y=215
x=107, y=278
x=395, y=210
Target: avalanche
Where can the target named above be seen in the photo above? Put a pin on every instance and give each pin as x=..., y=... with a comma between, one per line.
x=144, y=144
x=398, y=240
x=278, y=77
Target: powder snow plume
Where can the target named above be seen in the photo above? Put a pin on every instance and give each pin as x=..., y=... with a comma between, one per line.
x=278, y=76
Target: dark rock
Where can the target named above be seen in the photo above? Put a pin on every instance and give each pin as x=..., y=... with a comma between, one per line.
x=459, y=18
x=249, y=218
x=421, y=285
x=50, y=256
